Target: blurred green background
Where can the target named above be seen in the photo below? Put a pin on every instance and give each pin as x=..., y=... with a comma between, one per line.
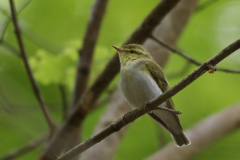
x=53, y=32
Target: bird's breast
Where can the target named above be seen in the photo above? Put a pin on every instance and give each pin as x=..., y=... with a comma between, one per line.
x=138, y=86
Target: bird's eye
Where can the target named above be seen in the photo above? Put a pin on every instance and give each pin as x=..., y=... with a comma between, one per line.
x=132, y=51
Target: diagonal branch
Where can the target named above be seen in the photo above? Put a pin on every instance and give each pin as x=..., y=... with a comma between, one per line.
x=153, y=104
x=189, y=58
x=89, y=98
x=29, y=72
x=87, y=50
x=29, y=147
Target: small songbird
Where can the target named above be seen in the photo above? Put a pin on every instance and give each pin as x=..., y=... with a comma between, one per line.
x=142, y=80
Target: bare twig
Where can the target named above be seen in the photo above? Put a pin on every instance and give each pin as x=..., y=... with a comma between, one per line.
x=87, y=50
x=227, y=70
x=89, y=98
x=203, y=134
x=151, y=105
x=3, y=29
x=29, y=147
x=64, y=100
x=176, y=51
x=189, y=58
x=29, y=72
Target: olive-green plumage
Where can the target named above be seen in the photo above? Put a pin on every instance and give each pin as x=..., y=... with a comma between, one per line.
x=142, y=79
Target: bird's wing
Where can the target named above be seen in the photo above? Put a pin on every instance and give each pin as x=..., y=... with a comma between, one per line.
x=157, y=74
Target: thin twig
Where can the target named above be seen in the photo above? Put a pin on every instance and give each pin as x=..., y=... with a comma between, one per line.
x=23, y=150
x=227, y=70
x=29, y=72
x=175, y=51
x=189, y=58
x=153, y=104
x=87, y=50
x=89, y=98
x=3, y=29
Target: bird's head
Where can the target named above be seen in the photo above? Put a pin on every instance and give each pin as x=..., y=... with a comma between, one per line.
x=132, y=52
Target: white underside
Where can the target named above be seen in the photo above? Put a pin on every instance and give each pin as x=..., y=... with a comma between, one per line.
x=138, y=88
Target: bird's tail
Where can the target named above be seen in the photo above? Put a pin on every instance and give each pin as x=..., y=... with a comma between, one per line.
x=181, y=139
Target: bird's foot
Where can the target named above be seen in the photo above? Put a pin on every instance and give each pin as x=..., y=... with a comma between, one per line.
x=124, y=117
x=144, y=106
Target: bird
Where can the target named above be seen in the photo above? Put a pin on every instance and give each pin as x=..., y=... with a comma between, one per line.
x=142, y=80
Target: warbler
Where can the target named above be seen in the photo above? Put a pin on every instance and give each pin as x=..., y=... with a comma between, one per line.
x=142, y=80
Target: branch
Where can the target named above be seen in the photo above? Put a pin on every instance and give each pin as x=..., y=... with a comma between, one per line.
x=29, y=147
x=89, y=98
x=29, y=72
x=202, y=135
x=189, y=58
x=87, y=50
x=153, y=104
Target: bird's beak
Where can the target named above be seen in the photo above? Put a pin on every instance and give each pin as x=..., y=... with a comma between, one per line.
x=118, y=49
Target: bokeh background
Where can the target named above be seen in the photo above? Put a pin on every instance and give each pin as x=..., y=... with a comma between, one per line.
x=53, y=32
